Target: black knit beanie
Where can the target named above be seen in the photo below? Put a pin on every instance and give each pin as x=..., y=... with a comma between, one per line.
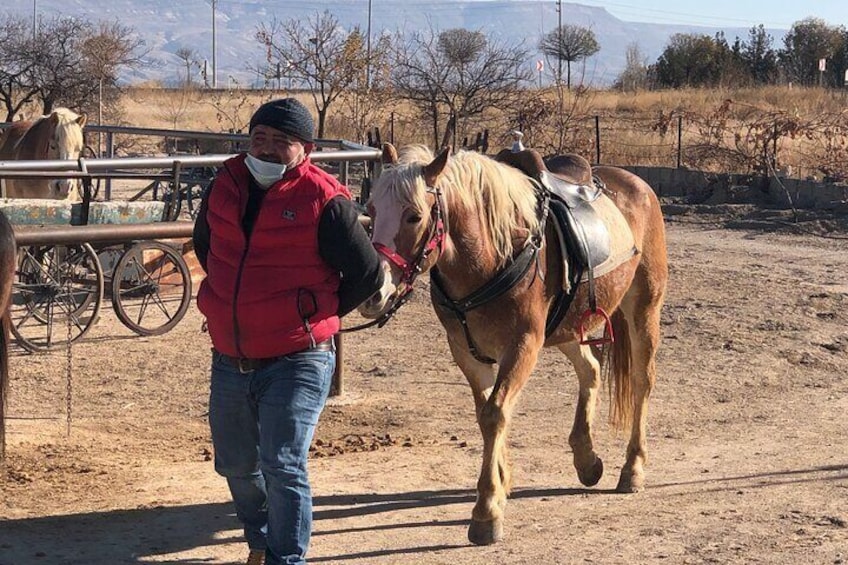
x=287, y=115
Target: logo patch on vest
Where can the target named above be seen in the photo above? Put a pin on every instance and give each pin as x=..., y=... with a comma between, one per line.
x=288, y=214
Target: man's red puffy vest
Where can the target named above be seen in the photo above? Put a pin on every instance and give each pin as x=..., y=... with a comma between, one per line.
x=258, y=290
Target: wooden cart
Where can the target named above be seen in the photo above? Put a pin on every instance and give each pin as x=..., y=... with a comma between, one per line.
x=59, y=288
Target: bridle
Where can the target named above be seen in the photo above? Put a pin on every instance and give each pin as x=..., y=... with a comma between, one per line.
x=410, y=270
x=435, y=240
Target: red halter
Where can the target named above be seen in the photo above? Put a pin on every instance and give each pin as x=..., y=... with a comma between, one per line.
x=436, y=240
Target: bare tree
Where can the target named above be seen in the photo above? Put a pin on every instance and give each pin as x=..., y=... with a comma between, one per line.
x=461, y=46
x=16, y=64
x=569, y=43
x=635, y=73
x=232, y=109
x=176, y=105
x=112, y=47
x=365, y=103
x=419, y=75
x=105, y=51
x=319, y=53
x=188, y=57
x=69, y=61
x=457, y=71
x=59, y=71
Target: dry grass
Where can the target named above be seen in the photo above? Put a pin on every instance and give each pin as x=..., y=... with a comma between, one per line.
x=201, y=110
x=701, y=101
x=635, y=128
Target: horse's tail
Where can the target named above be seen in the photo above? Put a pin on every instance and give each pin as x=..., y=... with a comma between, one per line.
x=619, y=382
x=4, y=379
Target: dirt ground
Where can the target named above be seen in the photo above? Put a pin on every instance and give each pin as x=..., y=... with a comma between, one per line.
x=748, y=435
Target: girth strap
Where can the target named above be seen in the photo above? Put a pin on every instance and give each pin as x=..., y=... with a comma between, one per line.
x=564, y=298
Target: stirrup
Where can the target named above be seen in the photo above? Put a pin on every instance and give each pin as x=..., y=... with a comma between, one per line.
x=608, y=337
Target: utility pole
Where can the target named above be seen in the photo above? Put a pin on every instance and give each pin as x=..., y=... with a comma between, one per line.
x=368, y=51
x=34, y=11
x=559, y=40
x=214, y=59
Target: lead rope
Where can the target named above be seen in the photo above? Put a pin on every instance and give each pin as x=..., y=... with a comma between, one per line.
x=382, y=320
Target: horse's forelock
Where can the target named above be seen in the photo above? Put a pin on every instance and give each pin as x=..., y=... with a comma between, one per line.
x=415, y=154
x=66, y=114
x=403, y=181
x=68, y=134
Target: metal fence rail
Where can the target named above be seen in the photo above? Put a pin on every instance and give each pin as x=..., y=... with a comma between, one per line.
x=99, y=165
x=111, y=233
x=329, y=151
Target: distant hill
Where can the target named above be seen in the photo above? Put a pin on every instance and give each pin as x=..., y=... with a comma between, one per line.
x=166, y=26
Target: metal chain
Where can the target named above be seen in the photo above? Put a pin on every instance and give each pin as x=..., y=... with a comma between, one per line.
x=68, y=384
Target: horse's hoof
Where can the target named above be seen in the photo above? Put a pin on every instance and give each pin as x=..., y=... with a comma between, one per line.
x=630, y=484
x=485, y=533
x=591, y=476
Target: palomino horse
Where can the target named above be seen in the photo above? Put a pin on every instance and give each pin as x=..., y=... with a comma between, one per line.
x=467, y=218
x=57, y=136
x=8, y=258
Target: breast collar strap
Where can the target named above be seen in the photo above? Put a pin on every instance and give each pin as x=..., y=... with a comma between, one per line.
x=504, y=281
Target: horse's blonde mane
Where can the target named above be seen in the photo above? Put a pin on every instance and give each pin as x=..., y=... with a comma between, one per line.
x=501, y=195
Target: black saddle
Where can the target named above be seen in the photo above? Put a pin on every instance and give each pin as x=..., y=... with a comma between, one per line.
x=581, y=227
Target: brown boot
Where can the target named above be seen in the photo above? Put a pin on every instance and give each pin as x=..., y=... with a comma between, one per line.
x=256, y=557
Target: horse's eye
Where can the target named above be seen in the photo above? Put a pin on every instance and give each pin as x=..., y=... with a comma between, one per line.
x=413, y=219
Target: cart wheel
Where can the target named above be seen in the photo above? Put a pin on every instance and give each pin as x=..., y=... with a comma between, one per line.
x=34, y=268
x=109, y=257
x=151, y=288
x=56, y=296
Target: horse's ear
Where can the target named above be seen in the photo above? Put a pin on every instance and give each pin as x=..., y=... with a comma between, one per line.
x=81, y=120
x=432, y=171
x=389, y=156
x=54, y=118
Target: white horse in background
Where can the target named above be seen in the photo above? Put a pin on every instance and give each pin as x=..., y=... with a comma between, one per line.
x=54, y=136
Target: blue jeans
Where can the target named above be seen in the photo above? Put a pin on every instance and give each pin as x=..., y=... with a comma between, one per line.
x=262, y=424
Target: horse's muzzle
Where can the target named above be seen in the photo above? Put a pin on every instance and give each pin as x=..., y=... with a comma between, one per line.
x=373, y=307
x=381, y=300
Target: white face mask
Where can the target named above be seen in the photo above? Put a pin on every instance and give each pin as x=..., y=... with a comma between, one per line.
x=265, y=172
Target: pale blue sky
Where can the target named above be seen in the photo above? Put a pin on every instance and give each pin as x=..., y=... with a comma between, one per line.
x=731, y=13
